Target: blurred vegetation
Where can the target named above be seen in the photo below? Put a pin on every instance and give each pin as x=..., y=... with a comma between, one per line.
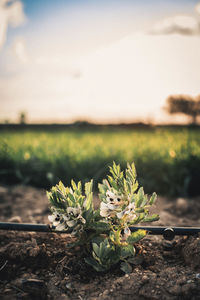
x=22, y=118
x=184, y=104
x=167, y=160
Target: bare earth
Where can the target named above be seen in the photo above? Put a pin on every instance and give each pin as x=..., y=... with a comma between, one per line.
x=39, y=265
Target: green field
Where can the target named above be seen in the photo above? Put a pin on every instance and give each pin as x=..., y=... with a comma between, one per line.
x=167, y=161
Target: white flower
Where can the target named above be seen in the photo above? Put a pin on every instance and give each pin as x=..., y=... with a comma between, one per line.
x=113, y=198
x=129, y=212
x=131, y=206
x=66, y=218
x=107, y=210
x=71, y=223
x=104, y=210
x=72, y=219
x=61, y=227
x=111, y=206
x=74, y=211
x=55, y=219
x=120, y=214
x=81, y=219
x=74, y=214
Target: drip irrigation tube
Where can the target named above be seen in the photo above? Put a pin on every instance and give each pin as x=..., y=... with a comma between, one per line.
x=167, y=232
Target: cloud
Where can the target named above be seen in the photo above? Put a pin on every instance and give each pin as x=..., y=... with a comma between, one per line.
x=11, y=13
x=60, y=64
x=179, y=24
x=197, y=8
x=127, y=79
x=19, y=49
x=186, y=25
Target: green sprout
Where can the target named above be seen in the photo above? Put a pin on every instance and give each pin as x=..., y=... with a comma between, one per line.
x=104, y=232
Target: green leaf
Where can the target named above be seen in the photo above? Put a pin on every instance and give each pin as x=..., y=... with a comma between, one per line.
x=139, y=198
x=73, y=185
x=71, y=199
x=136, y=236
x=92, y=262
x=102, y=188
x=100, y=226
x=80, y=187
x=56, y=201
x=112, y=182
x=96, y=249
x=127, y=251
x=153, y=198
x=140, y=210
x=88, y=203
x=138, y=219
x=61, y=189
x=145, y=201
x=131, y=178
x=126, y=267
x=152, y=218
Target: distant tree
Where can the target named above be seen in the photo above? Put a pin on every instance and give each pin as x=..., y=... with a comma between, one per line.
x=22, y=118
x=184, y=104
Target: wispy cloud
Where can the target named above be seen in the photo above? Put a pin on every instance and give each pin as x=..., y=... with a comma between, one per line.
x=20, y=51
x=197, y=8
x=179, y=24
x=11, y=13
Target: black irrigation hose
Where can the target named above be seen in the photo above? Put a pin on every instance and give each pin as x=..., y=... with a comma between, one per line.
x=168, y=232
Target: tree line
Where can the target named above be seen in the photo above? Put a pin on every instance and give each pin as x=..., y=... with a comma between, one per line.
x=184, y=104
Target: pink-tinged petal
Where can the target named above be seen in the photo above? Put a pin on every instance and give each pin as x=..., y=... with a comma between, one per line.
x=60, y=227
x=51, y=218
x=71, y=223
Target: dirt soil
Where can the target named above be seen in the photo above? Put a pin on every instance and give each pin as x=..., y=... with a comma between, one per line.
x=39, y=265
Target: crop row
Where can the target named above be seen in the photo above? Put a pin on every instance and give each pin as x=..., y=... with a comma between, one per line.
x=167, y=161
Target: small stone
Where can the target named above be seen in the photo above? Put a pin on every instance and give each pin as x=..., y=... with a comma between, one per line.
x=105, y=292
x=181, y=205
x=197, y=276
x=68, y=285
x=3, y=190
x=189, y=281
x=145, y=278
x=15, y=219
x=7, y=290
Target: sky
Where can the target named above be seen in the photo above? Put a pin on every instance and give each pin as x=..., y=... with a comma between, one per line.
x=97, y=60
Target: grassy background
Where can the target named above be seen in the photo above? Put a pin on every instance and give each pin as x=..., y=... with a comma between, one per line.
x=167, y=160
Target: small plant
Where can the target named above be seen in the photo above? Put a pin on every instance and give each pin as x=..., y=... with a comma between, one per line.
x=104, y=233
